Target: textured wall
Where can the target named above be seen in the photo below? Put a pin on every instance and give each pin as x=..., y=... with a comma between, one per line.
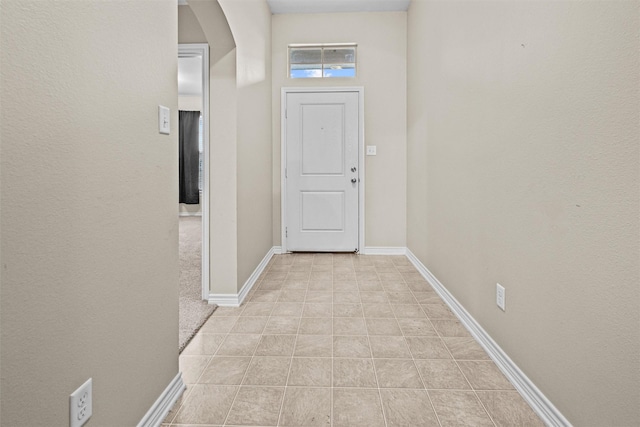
x=89, y=212
x=523, y=162
x=381, y=39
x=250, y=22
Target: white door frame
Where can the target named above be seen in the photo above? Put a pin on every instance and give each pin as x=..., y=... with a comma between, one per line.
x=283, y=156
x=202, y=50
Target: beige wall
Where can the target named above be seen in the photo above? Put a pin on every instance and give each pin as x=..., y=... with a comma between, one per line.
x=381, y=39
x=250, y=23
x=523, y=161
x=239, y=35
x=89, y=287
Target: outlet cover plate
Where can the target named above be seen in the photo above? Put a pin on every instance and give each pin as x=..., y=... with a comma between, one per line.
x=500, y=296
x=80, y=405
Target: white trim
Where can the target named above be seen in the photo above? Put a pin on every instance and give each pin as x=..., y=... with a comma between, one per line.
x=234, y=300
x=202, y=49
x=381, y=250
x=549, y=414
x=283, y=155
x=188, y=214
x=161, y=407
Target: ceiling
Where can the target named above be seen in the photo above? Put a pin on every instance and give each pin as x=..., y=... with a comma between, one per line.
x=333, y=6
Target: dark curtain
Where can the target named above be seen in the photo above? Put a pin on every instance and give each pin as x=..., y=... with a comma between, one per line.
x=189, y=157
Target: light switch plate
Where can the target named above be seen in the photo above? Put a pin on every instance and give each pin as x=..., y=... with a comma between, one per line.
x=371, y=150
x=164, y=120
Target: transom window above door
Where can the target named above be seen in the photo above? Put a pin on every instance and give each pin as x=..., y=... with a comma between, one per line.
x=322, y=60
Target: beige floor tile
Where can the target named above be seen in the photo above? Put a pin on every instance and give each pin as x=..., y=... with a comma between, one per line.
x=459, y=408
x=306, y=407
x=351, y=347
x=276, y=345
x=345, y=286
x=206, y=404
x=225, y=370
x=319, y=296
x=227, y=312
x=282, y=325
x=347, y=310
x=321, y=275
x=417, y=327
x=380, y=311
x=484, y=375
x=292, y=295
x=192, y=367
x=256, y=406
x=413, y=277
x=238, y=345
x=299, y=275
x=321, y=285
x=264, y=296
x=257, y=309
x=249, y=325
x=408, y=408
x=353, y=373
x=295, y=284
x=310, y=371
x=389, y=276
x=408, y=310
x=275, y=275
x=465, y=348
x=344, y=276
x=357, y=408
x=392, y=286
x=367, y=275
x=219, y=325
x=419, y=286
x=346, y=297
x=451, y=328
x=442, y=374
x=438, y=311
x=508, y=408
x=384, y=347
x=397, y=373
x=313, y=346
x=370, y=286
x=428, y=348
x=176, y=406
x=383, y=327
x=271, y=285
x=317, y=310
x=322, y=267
x=401, y=298
x=287, y=309
x=203, y=344
x=346, y=267
x=374, y=297
x=267, y=371
x=349, y=326
x=313, y=326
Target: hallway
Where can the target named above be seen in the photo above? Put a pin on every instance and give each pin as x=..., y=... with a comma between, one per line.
x=342, y=340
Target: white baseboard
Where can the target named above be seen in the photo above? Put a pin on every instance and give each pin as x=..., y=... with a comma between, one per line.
x=234, y=300
x=548, y=413
x=159, y=410
x=185, y=214
x=277, y=250
x=381, y=250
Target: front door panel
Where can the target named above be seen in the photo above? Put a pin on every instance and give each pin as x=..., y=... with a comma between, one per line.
x=322, y=171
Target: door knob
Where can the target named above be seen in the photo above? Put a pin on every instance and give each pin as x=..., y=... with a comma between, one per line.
x=354, y=180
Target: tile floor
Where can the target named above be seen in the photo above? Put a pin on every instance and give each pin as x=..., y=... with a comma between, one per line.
x=342, y=340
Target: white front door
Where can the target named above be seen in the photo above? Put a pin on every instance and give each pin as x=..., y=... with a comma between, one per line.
x=322, y=171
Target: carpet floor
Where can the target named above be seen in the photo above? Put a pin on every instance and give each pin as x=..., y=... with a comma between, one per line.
x=193, y=310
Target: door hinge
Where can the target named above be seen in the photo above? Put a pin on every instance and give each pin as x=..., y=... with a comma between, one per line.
x=286, y=173
x=286, y=232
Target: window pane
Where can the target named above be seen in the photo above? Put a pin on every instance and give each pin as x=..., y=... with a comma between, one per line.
x=306, y=71
x=305, y=56
x=339, y=55
x=339, y=70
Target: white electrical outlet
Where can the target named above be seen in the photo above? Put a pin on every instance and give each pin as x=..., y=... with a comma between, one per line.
x=164, y=120
x=500, y=296
x=80, y=405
